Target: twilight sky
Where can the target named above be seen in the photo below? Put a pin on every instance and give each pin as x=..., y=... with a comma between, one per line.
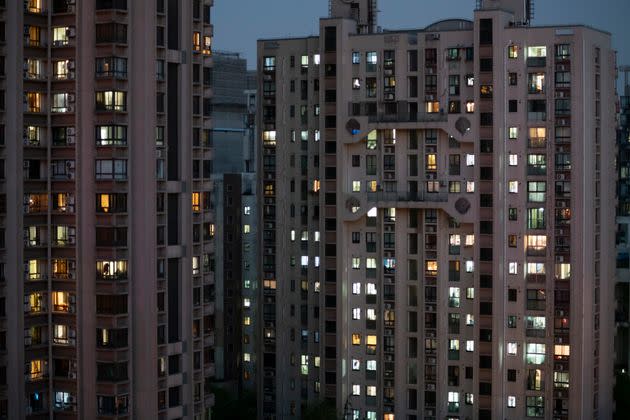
x=239, y=23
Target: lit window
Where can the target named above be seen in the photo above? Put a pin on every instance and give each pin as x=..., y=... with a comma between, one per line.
x=537, y=51
x=432, y=106
x=304, y=261
x=470, y=319
x=247, y=302
x=513, y=159
x=356, y=364
x=356, y=288
x=513, y=267
x=247, y=357
x=513, y=51
x=470, y=266
x=511, y=401
x=561, y=379
x=196, y=202
x=470, y=80
x=513, y=133
x=470, y=160
x=470, y=106
x=356, y=389
x=370, y=391
x=370, y=263
x=470, y=345
x=356, y=83
x=469, y=240
x=269, y=138
x=111, y=101
x=561, y=351
x=563, y=271
x=247, y=320
x=356, y=186
x=304, y=61
x=512, y=348
x=316, y=59
x=356, y=57
x=432, y=267
x=470, y=293
x=370, y=289
x=316, y=236
x=370, y=365
x=61, y=35
x=470, y=186
x=453, y=297
x=356, y=313
x=60, y=301
x=292, y=235
x=535, y=353
x=537, y=243
x=370, y=314
x=513, y=187
x=356, y=339
x=535, y=268
x=356, y=263
x=317, y=135
x=470, y=398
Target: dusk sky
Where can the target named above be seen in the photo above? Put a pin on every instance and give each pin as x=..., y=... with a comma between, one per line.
x=239, y=23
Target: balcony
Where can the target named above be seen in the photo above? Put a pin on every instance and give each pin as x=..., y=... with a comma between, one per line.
x=536, y=61
x=406, y=117
x=407, y=196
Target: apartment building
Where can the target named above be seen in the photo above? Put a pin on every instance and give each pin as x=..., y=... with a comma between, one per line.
x=103, y=127
x=622, y=286
x=234, y=200
x=436, y=216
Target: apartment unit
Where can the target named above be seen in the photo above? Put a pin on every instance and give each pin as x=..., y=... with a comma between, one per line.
x=234, y=200
x=104, y=123
x=436, y=216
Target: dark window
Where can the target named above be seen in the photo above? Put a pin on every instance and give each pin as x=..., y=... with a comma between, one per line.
x=513, y=105
x=111, y=33
x=330, y=38
x=485, y=31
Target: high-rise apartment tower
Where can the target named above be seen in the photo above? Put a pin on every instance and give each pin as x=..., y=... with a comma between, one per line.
x=437, y=219
x=105, y=141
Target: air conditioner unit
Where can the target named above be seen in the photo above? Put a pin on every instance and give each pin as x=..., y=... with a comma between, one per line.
x=71, y=7
x=71, y=64
x=560, y=177
x=71, y=98
x=71, y=139
x=70, y=108
x=72, y=375
x=71, y=32
x=71, y=131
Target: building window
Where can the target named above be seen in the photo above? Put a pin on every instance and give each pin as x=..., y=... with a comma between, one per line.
x=111, y=169
x=535, y=353
x=111, y=67
x=111, y=101
x=513, y=51
x=535, y=406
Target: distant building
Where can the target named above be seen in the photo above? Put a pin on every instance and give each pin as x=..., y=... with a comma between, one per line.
x=622, y=287
x=237, y=280
x=437, y=213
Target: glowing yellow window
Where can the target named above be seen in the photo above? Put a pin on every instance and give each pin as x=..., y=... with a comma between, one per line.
x=513, y=51
x=356, y=339
x=60, y=301
x=247, y=320
x=36, y=302
x=196, y=41
x=431, y=162
x=561, y=351
x=432, y=107
x=33, y=102
x=536, y=242
x=36, y=369
x=34, y=6
x=269, y=138
x=432, y=267
x=104, y=202
x=370, y=340
x=33, y=270
x=196, y=202
x=316, y=185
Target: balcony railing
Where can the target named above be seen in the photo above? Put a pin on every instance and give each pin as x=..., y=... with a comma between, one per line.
x=407, y=196
x=406, y=117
